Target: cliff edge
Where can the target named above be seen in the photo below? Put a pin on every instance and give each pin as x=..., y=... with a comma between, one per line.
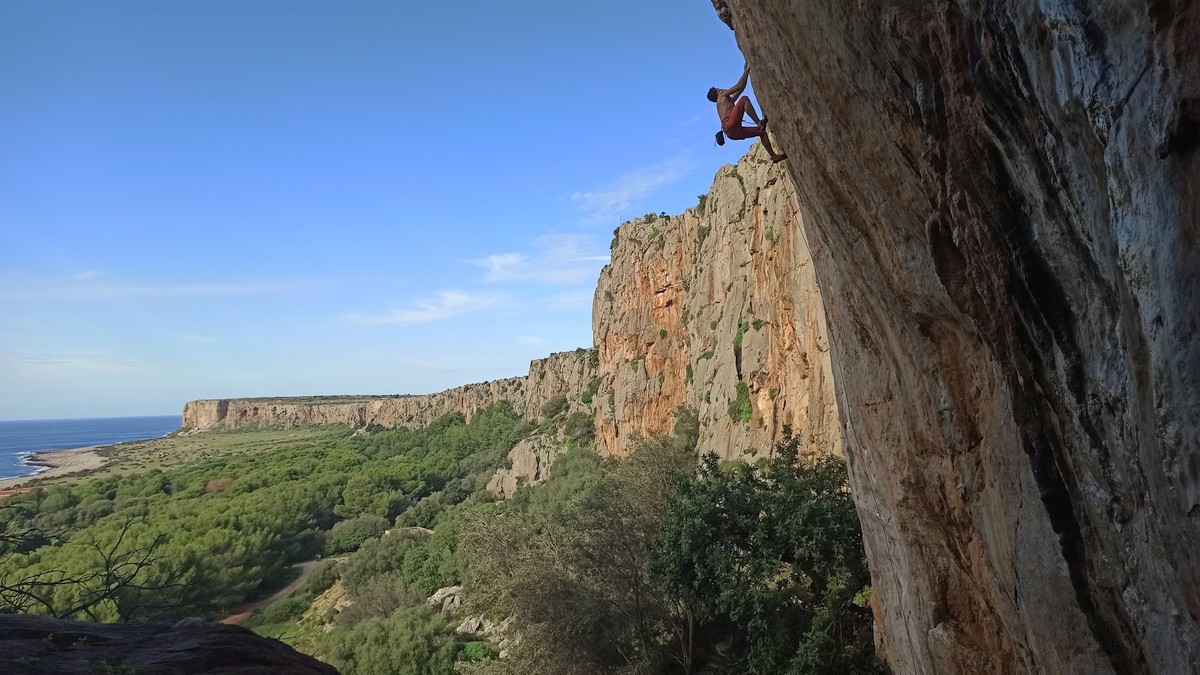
x=565, y=373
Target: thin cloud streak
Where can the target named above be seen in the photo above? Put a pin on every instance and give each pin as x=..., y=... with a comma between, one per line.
x=556, y=259
x=578, y=299
x=438, y=307
x=623, y=195
x=111, y=291
x=67, y=364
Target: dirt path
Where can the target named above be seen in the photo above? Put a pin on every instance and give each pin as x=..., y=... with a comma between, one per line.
x=243, y=612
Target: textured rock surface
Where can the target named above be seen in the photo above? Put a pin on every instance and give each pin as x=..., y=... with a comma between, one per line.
x=566, y=373
x=1003, y=204
x=531, y=458
x=680, y=290
x=35, y=644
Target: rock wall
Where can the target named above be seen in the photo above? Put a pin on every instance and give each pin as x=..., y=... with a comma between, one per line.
x=530, y=462
x=564, y=373
x=1002, y=201
x=715, y=309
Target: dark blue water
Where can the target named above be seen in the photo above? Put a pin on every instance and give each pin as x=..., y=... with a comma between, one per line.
x=19, y=438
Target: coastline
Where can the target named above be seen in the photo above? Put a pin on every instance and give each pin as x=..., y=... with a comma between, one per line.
x=57, y=463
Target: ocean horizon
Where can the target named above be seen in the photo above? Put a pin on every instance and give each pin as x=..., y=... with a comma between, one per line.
x=21, y=438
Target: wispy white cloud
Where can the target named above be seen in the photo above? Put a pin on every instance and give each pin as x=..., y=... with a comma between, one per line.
x=555, y=259
x=87, y=275
x=437, y=307
x=107, y=290
x=66, y=364
x=577, y=299
x=623, y=195
x=531, y=340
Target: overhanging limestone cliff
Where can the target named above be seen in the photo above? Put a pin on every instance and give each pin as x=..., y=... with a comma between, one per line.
x=1003, y=204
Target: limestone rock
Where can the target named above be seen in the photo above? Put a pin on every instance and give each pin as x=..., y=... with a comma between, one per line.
x=483, y=628
x=531, y=458
x=565, y=373
x=697, y=306
x=1002, y=201
x=448, y=599
x=38, y=644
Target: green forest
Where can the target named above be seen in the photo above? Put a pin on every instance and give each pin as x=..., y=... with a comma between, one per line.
x=658, y=563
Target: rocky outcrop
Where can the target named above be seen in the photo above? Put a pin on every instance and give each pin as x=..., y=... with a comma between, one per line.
x=37, y=644
x=1002, y=201
x=564, y=373
x=716, y=310
x=530, y=461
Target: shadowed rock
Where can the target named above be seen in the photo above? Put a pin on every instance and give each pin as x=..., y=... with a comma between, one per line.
x=34, y=644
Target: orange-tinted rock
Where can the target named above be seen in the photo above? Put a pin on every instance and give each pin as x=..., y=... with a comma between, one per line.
x=693, y=305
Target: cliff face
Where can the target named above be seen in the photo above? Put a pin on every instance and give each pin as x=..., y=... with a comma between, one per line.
x=717, y=310
x=1003, y=205
x=565, y=373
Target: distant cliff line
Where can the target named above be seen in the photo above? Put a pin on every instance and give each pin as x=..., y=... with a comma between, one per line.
x=565, y=373
x=715, y=310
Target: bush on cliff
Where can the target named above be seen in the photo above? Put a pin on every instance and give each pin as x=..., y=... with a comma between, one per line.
x=554, y=406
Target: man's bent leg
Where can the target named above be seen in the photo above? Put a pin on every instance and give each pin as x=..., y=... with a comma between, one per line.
x=748, y=108
x=740, y=133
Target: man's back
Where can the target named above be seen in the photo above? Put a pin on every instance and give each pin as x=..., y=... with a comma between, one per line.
x=724, y=105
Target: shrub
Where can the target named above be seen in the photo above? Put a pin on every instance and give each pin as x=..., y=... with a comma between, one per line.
x=775, y=531
x=580, y=427
x=743, y=326
x=282, y=611
x=324, y=575
x=554, y=406
x=475, y=651
x=740, y=407
x=586, y=398
x=411, y=641
x=348, y=535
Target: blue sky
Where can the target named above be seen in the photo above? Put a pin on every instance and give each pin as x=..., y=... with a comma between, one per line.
x=227, y=198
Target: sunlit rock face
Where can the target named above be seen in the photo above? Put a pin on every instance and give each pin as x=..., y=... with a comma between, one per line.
x=1002, y=201
x=716, y=310
x=562, y=374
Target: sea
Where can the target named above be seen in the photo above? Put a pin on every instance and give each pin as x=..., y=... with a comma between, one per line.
x=20, y=438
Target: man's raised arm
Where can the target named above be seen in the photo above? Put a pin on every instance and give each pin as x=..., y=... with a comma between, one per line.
x=737, y=89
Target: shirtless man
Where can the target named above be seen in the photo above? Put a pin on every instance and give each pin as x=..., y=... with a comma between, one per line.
x=732, y=106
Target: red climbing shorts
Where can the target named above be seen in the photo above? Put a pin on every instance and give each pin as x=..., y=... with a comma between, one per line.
x=732, y=126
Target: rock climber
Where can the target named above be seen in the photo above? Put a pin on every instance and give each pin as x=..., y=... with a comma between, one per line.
x=732, y=107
